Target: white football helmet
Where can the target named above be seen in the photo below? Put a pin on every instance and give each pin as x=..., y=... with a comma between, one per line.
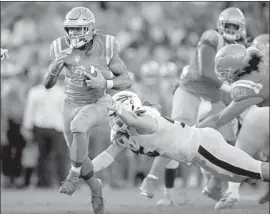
x=127, y=100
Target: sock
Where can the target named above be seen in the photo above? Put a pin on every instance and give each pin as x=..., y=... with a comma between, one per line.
x=233, y=187
x=169, y=177
x=168, y=192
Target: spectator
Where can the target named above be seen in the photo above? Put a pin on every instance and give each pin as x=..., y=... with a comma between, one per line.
x=42, y=124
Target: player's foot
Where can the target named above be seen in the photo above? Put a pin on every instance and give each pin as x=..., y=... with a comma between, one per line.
x=97, y=200
x=68, y=186
x=148, y=187
x=265, y=198
x=228, y=201
x=166, y=202
x=214, y=193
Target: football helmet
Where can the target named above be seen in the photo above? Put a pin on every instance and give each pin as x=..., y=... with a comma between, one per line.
x=79, y=26
x=232, y=24
x=230, y=62
x=127, y=100
x=261, y=42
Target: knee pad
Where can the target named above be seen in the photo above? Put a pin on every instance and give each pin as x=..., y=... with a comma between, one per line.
x=87, y=169
x=172, y=165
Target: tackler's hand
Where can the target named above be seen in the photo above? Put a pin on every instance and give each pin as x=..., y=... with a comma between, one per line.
x=58, y=63
x=96, y=79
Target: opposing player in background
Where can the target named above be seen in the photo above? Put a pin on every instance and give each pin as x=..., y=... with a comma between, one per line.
x=199, y=94
x=142, y=129
x=253, y=137
x=91, y=62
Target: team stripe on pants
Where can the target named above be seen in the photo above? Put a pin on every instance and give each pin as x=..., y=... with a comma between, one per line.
x=227, y=166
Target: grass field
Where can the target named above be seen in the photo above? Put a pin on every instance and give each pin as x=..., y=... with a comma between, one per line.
x=126, y=201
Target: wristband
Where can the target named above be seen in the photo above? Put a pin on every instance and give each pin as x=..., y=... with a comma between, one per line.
x=109, y=84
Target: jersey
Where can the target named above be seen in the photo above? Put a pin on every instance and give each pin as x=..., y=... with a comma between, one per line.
x=193, y=81
x=244, y=89
x=172, y=139
x=103, y=49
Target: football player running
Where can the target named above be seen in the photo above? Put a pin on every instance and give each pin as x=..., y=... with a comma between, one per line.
x=253, y=137
x=142, y=129
x=91, y=61
x=200, y=94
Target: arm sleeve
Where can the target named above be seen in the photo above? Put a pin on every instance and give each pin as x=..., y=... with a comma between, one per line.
x=102, y=161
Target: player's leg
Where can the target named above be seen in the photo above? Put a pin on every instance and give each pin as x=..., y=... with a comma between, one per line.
x=180, y=112
x=218, y=157
x=185, y=107
x=149, y=183
x=253, y=138
x=214, y=186
x=87, y=118
x=169, y=178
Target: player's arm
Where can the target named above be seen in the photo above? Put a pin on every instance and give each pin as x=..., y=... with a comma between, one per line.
x=230, y=112
x=56, y=65
x=207, y=50
x=106, y=158
x=143, y=123
x=117, y=66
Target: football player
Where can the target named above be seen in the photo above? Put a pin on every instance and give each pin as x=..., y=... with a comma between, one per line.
x=248, y=73
x=200, y=91
x=142, y=129
x=255, y=120
x=91, y=61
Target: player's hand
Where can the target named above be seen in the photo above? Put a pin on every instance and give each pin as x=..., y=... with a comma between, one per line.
x=58, y=63
x=4, y=54
x=97, y=81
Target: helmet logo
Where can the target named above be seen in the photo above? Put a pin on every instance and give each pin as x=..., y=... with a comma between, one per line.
x=84, y=15
x=123, y=98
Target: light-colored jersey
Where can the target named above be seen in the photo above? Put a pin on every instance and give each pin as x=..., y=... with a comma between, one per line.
x=103, y=49
x=244, y=89
x=172, y=139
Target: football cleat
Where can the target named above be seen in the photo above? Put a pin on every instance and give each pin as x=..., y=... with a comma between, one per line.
x=228, y=201
x=69, y=186
x=98, y=201
x=215, y=193
x=148, y=187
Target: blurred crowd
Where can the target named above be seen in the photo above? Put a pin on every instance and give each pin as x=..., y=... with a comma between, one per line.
x=156, y=40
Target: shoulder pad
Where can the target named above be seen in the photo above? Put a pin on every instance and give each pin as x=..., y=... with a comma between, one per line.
x=212, y=38
x=57, y=46
x=112, y=47
x=243, y=89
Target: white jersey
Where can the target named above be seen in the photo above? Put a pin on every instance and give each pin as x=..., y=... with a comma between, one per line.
x=172, y=139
